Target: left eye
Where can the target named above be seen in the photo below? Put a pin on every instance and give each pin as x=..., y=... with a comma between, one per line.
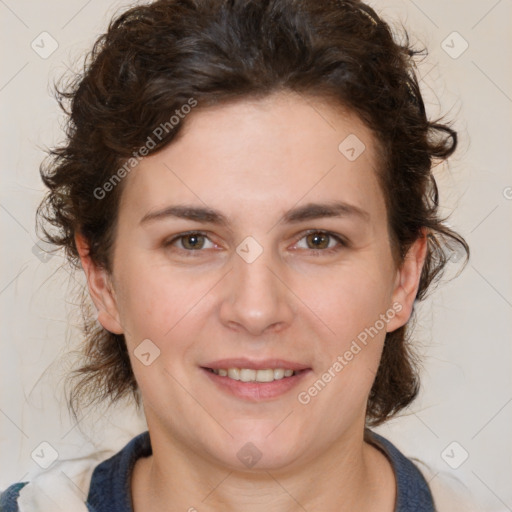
x=322, y=240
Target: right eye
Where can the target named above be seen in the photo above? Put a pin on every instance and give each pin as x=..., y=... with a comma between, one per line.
x=189, y=242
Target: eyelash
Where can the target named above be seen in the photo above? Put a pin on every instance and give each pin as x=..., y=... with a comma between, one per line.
x=316, y=252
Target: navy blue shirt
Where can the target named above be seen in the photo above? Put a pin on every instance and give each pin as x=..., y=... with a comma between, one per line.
x=110, y=489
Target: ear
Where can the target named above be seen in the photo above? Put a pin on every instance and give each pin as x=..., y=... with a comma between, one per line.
x=407, y=283
x=100, y=288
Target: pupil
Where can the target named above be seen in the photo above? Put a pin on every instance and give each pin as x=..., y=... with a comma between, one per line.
x=192, y=241
x=318, y=239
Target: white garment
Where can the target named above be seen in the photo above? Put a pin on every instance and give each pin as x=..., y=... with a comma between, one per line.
x=61, y=488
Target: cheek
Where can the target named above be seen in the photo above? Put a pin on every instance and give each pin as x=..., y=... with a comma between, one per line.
x=352, y=300
x=164, y=307
x=153, y=300
x=350, y=305
x=354, y=305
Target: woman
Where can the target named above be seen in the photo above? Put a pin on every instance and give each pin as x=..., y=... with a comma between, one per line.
x=247, y=186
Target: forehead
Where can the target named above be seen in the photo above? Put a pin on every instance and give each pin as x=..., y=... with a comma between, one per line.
x=260, y=156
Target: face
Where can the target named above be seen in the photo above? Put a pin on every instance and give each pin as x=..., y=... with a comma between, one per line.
x=256, y=245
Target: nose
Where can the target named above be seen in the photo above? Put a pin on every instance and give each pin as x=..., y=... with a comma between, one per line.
x=256, y=297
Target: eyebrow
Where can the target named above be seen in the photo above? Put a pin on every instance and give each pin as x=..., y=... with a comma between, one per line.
x=309, y=211
x=320, y=210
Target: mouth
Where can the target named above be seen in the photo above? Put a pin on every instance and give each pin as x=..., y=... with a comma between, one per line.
x=250, y=375
x=255, y=381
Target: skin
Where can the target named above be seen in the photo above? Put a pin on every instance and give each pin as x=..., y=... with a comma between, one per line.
x=253, y=161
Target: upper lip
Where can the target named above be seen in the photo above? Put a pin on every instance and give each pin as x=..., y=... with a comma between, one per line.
x=252, y=364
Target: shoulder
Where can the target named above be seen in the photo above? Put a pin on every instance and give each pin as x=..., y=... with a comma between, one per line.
x=449, y=493
x=57, y=488
x=77, y=485
x=110, y=483
x=412, y=492
x=420, y=486
x=9, y=497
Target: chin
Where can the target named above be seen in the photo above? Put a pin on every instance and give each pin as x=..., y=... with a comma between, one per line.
x=261, y=449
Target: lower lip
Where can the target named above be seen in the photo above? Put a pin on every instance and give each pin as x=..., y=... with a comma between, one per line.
x=256, y=391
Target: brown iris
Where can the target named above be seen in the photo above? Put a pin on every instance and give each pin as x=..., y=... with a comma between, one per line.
x=193, y=241
x=319, y=240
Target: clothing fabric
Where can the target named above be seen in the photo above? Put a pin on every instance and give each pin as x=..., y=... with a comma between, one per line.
x=110, y=484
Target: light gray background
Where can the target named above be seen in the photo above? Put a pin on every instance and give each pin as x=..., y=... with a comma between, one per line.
x=464, y=330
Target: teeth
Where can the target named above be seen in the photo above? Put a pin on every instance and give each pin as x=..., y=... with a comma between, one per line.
x=234, y=373
x=249, y=375
x=278, y=374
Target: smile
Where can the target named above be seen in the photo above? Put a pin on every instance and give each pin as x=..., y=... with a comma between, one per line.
x=266, y=382
x=250, y=375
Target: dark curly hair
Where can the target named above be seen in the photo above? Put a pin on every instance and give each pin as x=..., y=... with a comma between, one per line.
x=154, y=58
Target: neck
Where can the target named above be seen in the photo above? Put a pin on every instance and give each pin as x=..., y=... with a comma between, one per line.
x=351, y=475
